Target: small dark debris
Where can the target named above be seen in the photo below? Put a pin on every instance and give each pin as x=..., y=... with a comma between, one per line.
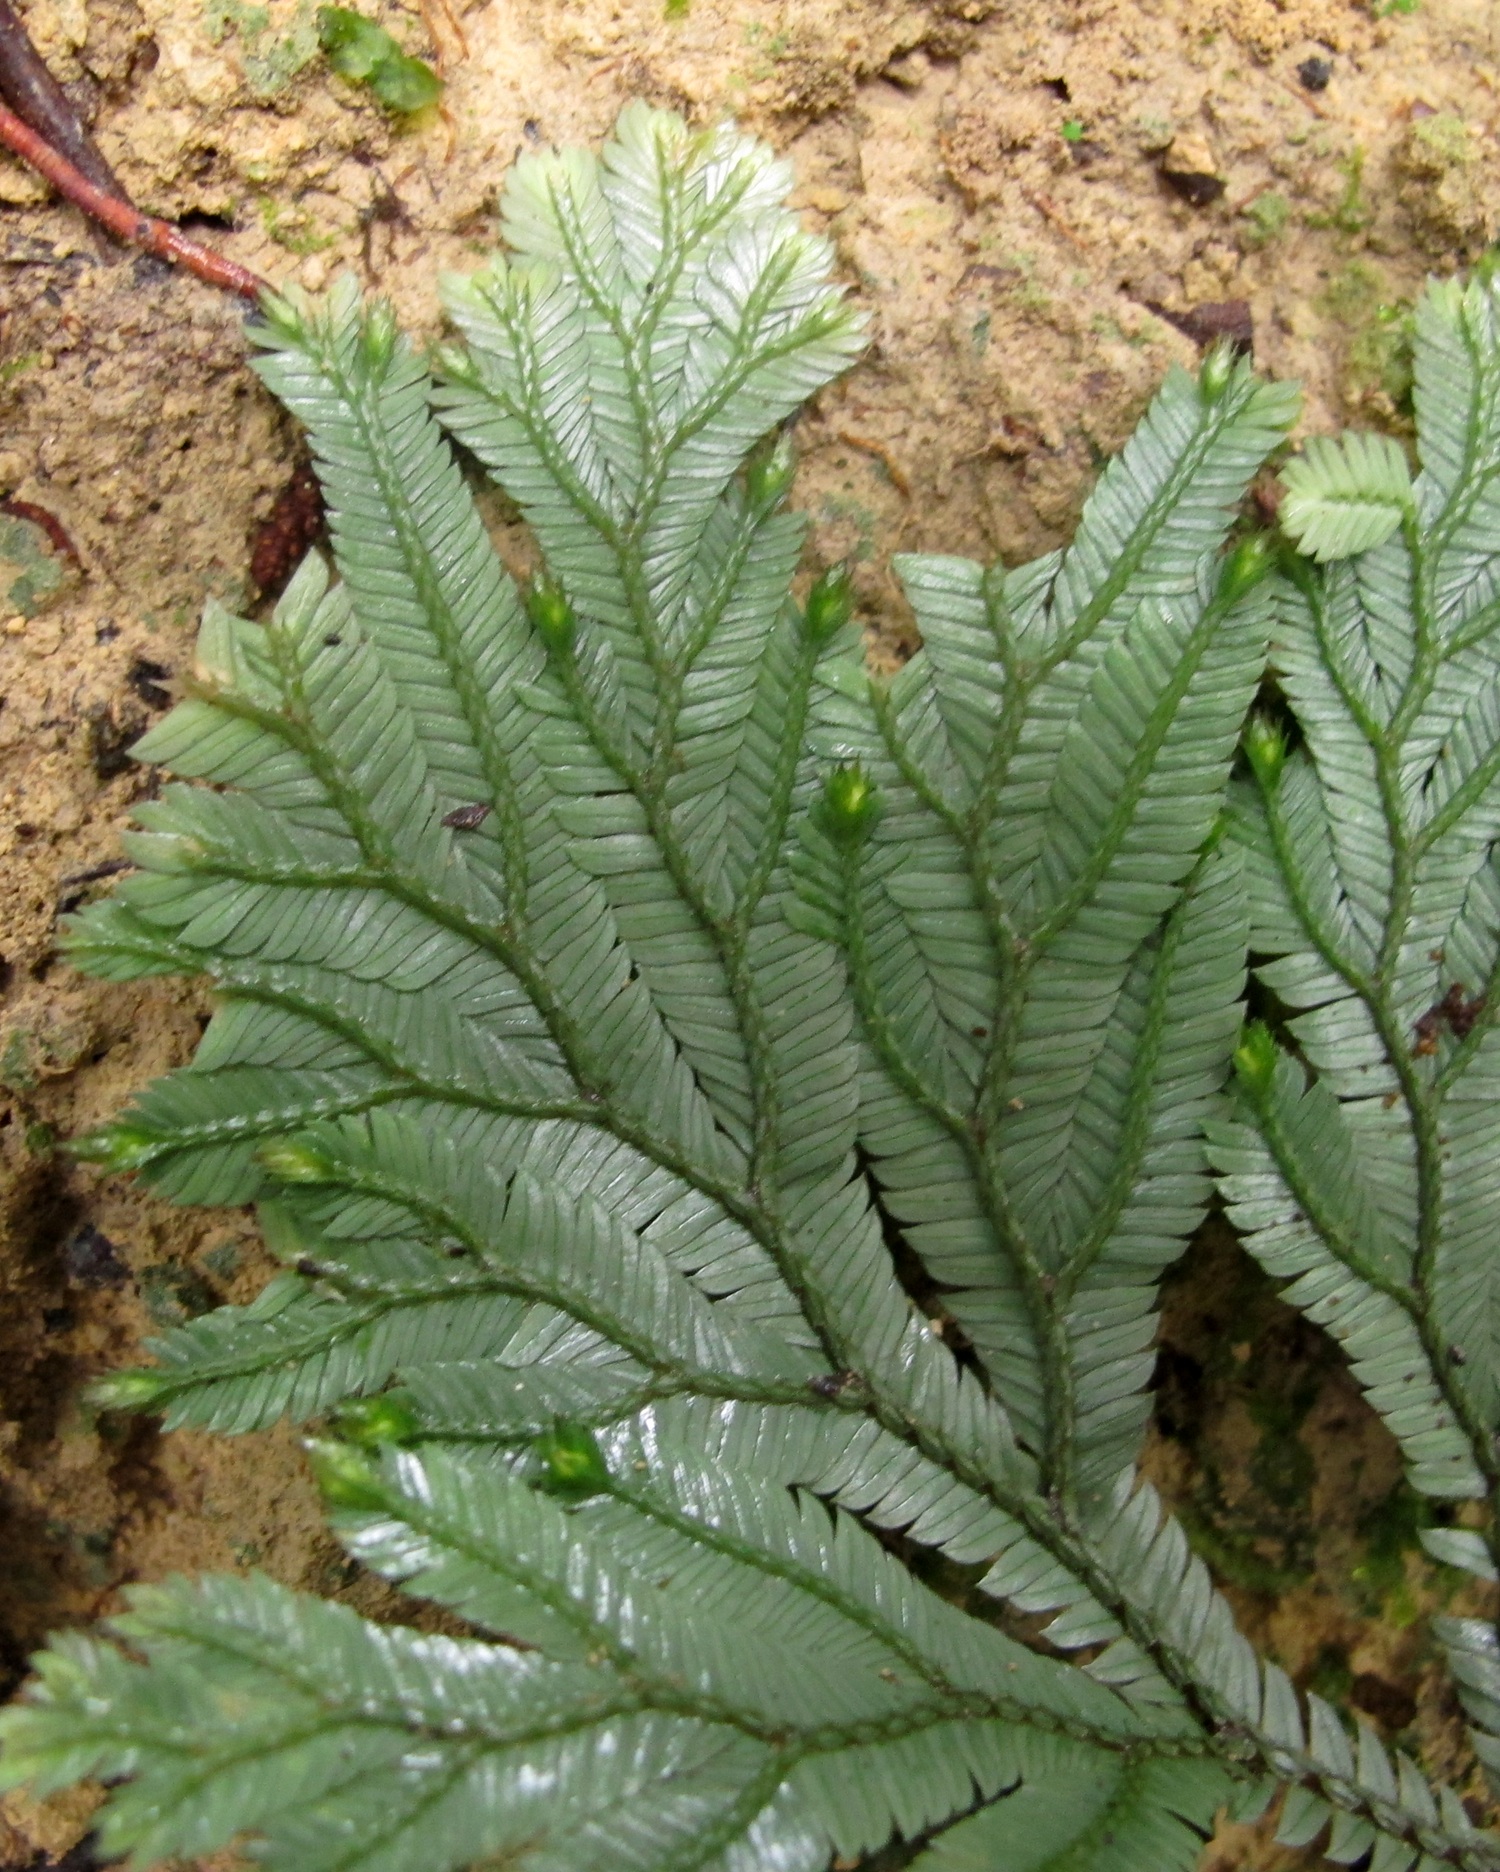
x=1216, y=318
x=91, y=1259
x=832, y=1384
x=106, y=632
x=111, y=867
x=1314, y=73
x=26, y=831
x=385, y=209
x=1267, y=494
x=284, y=538
x=146, y=678
x=205, y=218
x=1455, y=1012
x=1392, y=1707
x=982, y=270
x=1178, y=1381
x=1195, y=188
x=1457, y=1355
x=109, y=742
x=532, y=130
x=173, y=1292
x=466, y=818
x=84, y=1857
x=333, y=640
x=1462, y=1017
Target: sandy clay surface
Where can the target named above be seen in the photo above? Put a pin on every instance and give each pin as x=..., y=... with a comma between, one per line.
x=1034, y=203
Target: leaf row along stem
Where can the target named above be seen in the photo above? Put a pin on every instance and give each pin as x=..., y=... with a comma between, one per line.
x=1422, y=1100
x=720, y=1539
x=505, y=942
x=667, y=1691
x=361, y=397
x=1047, y=1327
x=567, y=1297
x=1480, y=428
x=728, y=935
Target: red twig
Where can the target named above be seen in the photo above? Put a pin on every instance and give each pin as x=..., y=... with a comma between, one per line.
x=140, y=230
x=38, y=99
x=49, y=523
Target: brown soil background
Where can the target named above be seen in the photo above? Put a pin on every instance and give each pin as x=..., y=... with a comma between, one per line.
x=1021, y=285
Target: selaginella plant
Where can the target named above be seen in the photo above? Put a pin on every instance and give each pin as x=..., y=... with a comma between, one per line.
x=724, y=1117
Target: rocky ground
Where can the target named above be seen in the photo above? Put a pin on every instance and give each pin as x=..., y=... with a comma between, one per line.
x=1040, y=206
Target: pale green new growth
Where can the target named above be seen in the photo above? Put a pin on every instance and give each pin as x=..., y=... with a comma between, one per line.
x=609, y=975
x=1345, y=496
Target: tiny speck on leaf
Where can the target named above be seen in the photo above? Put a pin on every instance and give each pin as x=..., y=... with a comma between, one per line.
x=466, y=818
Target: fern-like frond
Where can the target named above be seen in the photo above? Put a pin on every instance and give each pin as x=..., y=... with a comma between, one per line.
x=1295, y=1191
x=1370, y=857
x=1457, y=397
x=337, y=1743
x=1080, y=1815
x=1051, y=767
x=723, y=1121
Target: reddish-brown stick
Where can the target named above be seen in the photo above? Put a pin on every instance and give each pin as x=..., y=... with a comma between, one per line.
x=140, y=230
x=38, y=99
x=48, y=522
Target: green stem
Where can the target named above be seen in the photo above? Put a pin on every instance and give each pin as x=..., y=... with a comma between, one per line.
x=1049, y=1331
